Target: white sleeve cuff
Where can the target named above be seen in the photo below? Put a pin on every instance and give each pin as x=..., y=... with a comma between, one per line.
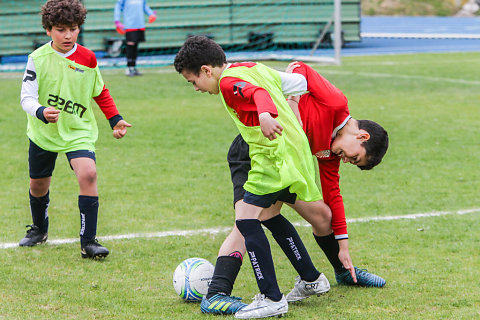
x=293, y=84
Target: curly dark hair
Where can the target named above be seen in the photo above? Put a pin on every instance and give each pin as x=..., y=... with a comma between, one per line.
x=63, y=12
x=376, y=146
x=198, y=51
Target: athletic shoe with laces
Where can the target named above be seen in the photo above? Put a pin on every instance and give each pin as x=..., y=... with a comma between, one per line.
x=304, y=289
x=33, y=237
x=221, y=304
x=132, y=71
x=93, y=249
x=263, y=307
x=364, y=279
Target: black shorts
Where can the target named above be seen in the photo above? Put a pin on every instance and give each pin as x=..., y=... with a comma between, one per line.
x=135, y=36
x=41, y=163
x=240, y=163
x=267, y=200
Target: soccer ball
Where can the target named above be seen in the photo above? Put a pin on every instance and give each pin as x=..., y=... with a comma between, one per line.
x=192, y=278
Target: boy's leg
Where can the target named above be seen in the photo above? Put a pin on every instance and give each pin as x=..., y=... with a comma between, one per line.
x=270, y=302
x=83, y=164
x=319, y=215
x=41, y=165
x=218, y=299
x=288, y=239
x=310, y=280
x=258, y=249
x=229, y=261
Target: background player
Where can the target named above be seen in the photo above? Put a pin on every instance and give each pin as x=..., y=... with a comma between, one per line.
x=60, y=80
x=133, y=27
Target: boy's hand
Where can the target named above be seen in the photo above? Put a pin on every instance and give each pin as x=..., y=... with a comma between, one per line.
x=269, y=126
x=153, y=17
x=120, y=27
x=344, y=257
x=51, y=114
x=120, y=129
x=292, y=66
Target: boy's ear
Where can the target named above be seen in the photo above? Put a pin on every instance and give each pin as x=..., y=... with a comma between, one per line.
x=207, y=69
x=363, y=135
x=48, y=31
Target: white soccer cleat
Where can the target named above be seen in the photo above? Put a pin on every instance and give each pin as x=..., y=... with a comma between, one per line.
x=304, y=289
x=263, y=307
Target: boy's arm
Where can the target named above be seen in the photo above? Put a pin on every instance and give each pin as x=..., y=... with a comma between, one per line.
x=253, y=104
x=329, y=179
x=29, y=93
x=319, y=87
x=152, y=16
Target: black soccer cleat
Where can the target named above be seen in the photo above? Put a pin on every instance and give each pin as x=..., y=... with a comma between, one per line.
x=33, y=237
x=94, y=250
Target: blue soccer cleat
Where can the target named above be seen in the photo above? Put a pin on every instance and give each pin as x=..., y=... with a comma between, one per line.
x=364, y=279
x=221, y=304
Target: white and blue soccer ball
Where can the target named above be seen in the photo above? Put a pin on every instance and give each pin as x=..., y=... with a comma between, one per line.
x=192, y=278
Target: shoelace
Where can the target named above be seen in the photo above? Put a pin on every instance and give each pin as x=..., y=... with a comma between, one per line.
x=259, y=297
x=32, y=228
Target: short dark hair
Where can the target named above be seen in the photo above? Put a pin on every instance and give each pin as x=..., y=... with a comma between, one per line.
x=376, y=146
x=198, y=51
x=63, y=12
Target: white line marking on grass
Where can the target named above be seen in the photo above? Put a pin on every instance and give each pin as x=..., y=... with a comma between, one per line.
x=184, y=233
x=406, y=216
x=390, y=75
x=419, y=35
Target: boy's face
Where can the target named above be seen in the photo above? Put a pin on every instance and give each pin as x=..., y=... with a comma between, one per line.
x=64, y=37
x=204, y=81
x=349, y=147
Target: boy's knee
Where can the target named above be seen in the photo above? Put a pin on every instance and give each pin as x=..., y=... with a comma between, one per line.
x=88, y=176
x=39, y=187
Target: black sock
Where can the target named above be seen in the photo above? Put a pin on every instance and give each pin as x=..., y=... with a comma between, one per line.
x=330, y=247
x=260, y=255
x=88, y=206
x=39, y=211
x=288, y=239
x=131, y=53
x=224, y=275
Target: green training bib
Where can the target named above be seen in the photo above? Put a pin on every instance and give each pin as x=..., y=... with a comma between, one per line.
x=285, y=161
x=69, y=87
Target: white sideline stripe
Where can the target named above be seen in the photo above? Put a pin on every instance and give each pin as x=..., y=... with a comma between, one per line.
x=184, y=233
x=390, y=75
x=407, y=216
x=419, y=35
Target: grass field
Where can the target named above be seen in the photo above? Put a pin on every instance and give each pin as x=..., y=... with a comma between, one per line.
x=170, y=174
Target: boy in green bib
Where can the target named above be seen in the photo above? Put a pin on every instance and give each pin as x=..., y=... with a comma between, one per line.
x=60, y=80
x=282, y=167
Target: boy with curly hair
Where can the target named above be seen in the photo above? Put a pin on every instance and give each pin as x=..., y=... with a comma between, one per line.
x=60, y=80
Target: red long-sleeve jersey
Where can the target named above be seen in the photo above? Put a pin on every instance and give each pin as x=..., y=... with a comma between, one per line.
x=324, y=111
x=246, y=99
x=104, y=100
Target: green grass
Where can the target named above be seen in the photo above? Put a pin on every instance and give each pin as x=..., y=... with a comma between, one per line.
x=170, y=173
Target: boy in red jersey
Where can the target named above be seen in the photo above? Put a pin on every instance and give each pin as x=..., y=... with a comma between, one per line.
x=60, y=80
x=282, y=169
x=333, y=136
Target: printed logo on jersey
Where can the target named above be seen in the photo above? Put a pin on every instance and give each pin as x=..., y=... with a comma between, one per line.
x=237, y=88
x=30, y=76
x=323, y=154
x=66, y=105
x=76, y=69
